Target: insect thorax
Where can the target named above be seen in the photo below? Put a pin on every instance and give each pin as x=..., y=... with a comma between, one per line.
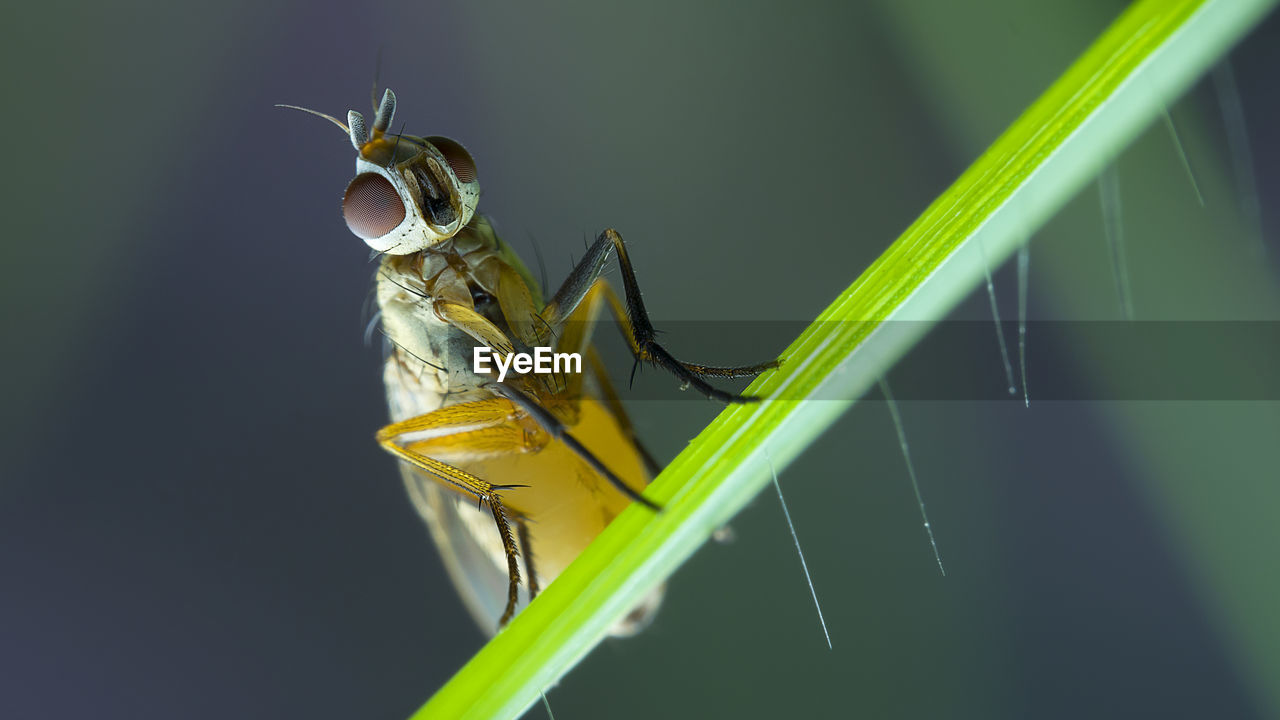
x=430, y=358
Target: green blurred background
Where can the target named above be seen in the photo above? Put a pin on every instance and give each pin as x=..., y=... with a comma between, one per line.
x=195, y=521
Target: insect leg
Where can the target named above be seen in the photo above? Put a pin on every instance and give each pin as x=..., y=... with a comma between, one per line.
x=474, y=324
x=513, y=563
x=557, y=429
x=611, y=400
x=575, y=337
x=449, y=425
x=634, y=318
x=522, y=531
x=650, y=351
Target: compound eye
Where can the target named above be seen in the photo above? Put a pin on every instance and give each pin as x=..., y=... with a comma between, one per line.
x=372, y=207
x=457, y=157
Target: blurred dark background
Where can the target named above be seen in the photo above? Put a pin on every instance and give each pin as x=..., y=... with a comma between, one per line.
x=196, y=522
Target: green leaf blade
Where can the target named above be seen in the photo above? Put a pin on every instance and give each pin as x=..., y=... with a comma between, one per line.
x=1118, y=86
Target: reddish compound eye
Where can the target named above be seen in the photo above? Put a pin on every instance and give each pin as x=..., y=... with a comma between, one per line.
x=372, y=207
x=457, y=157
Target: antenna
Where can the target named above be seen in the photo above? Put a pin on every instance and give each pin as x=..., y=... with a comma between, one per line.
x=386, y=111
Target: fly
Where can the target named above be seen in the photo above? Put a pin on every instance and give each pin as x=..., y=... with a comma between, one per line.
x=522, y=471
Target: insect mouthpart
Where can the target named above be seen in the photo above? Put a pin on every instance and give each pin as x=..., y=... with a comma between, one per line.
x=430, y=187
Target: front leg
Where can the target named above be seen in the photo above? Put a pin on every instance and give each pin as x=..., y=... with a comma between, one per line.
x=459, y=428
